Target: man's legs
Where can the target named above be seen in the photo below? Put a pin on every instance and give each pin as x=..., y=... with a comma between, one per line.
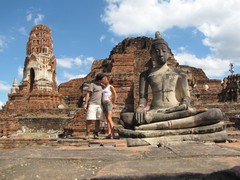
x=88, y=127
x=97, y=125
x=99, y=116
x=89, y=124
x=90, y=118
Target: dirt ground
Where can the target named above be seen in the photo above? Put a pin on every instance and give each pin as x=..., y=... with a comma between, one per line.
x=171, y=161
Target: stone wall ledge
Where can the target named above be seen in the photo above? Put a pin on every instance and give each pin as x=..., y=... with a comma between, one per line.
x=8, y=143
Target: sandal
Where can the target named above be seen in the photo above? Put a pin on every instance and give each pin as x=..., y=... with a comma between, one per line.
x=95, y=135
x=108, y=136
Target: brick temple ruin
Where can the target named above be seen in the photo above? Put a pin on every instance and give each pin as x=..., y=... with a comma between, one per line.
x=38, y=96
x=38, y=89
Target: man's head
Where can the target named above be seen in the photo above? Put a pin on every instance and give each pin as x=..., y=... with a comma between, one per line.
x=159, y=50
x=99, y=77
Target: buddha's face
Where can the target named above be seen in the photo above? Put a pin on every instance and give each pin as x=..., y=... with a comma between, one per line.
x=160, y=54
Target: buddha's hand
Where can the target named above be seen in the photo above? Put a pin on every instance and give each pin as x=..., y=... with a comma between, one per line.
x=181, y=107
x=140, y=115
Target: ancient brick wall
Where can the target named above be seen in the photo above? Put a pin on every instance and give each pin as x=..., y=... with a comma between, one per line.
x=208, y=91
x=231, y=89
x=202, y=89
x=76, y=126
x=8, y=125
x=36, y=100
x=72, y=92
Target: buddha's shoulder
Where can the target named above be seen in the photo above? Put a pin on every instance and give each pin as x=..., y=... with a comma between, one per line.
x=181, y=72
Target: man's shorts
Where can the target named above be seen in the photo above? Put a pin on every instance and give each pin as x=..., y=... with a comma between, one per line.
x=107, y=106
x=94, y=112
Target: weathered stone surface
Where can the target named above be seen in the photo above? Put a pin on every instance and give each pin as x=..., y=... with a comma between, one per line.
x=209, y=137
x=136, y=142
x=172, y=161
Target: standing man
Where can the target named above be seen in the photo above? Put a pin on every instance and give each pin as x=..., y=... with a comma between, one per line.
x=93, y=105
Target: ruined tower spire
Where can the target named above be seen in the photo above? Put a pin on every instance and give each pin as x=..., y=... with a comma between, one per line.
x=40, y=63
x=14, y=88
x=38, y=89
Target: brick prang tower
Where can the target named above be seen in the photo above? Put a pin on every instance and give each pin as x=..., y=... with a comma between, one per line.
x=38, y=89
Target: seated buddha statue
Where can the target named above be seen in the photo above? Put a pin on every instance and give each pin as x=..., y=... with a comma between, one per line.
x=170, y=105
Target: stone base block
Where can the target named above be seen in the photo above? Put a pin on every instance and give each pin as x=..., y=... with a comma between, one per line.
x=159, y=133
x=157, y=141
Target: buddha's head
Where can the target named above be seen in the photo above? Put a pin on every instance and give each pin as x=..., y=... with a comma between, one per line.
x=159, y=50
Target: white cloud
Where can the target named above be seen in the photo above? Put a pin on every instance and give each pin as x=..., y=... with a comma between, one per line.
x=88, y=60
x=3, y=43
x=74, y=62
x=70, y=76
x=211, y=66
x=22, y=30
x=4, y=86
x=113, y=41
x=217, y=20
x=20, y=71
x=102, y=38
x=38, y=19
x=29, y=17
x=126, y=17
x=1, y=104
x=34, y=15
x=65, y=62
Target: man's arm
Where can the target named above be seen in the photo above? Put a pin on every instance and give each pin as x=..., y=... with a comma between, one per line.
x=86, y=100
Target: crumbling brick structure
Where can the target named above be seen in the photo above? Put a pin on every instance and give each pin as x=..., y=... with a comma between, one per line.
x=231, y=89
x=38, y=89
x=8, y=124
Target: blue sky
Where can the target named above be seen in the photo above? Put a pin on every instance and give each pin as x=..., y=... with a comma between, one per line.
x=201, y=33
